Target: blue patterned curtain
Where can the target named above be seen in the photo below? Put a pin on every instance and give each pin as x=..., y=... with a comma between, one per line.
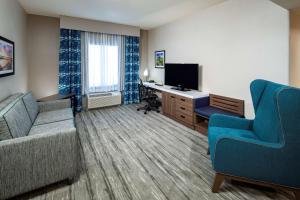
x=132, y=68
x=70, y=65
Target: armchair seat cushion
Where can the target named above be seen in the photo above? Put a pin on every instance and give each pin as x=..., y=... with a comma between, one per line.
x=216, y=133
x=53, y=116
x=209, y=110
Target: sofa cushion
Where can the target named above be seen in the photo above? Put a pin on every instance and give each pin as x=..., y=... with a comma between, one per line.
x=209, y=110
x=55, y=127
x=216, y=133
x=31, y=106
x=5, y=105
x=53, y=116
x=18, y=120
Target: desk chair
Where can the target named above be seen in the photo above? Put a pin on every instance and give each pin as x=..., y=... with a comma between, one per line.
x=148, y=95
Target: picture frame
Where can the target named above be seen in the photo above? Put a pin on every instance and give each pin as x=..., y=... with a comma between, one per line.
x=160, y=59
x=7, y=57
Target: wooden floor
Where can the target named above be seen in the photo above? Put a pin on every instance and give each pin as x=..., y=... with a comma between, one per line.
x=128, y=155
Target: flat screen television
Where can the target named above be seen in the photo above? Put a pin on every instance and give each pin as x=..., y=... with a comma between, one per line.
x=182, y=76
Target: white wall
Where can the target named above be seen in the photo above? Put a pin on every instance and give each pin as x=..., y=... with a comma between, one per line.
x=143, y=52
x=13, y=27
x=98, y=26
x=295, y=48
x=235, y=42
x=43, y=51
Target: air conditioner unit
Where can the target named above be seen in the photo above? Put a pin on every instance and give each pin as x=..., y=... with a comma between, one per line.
x=98, y=100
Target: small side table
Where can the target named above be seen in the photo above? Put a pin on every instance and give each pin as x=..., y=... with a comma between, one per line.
x=59, y=97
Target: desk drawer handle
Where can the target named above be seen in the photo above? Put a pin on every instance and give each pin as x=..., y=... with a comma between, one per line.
x=182, y=116
x=182, y=108
x=182, y=99
x=172, y=97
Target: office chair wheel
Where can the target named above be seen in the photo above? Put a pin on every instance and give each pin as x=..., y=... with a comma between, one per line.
x=158, y=111
x=145, y=113
x=138, y=109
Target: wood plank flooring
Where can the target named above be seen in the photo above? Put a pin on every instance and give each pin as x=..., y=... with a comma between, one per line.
x=128, y=155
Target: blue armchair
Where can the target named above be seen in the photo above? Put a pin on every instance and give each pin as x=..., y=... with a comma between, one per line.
x=264, y=151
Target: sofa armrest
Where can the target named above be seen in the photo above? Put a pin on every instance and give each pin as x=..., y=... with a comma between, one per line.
x=226, y=121
x=31, y=162
x=54, y=105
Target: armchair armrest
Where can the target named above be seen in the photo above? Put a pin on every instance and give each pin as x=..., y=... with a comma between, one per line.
x=30, y=162
x=226, y=121
x=54, y=105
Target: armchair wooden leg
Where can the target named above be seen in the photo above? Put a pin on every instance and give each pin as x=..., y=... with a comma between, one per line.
x=219, y=179
x=297, y=195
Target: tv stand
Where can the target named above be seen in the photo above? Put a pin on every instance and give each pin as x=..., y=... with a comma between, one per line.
x=178, y=105
x=180, y=89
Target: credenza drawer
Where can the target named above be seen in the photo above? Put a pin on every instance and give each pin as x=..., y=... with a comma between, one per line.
x=184, y=100
x=185, y=118
x=188, y=110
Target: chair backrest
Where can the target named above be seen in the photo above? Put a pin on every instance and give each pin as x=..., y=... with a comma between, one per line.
x=267, y=125
x=142, y=92
x=289, y=111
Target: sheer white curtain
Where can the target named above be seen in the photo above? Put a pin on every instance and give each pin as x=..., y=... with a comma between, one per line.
x=103, y=62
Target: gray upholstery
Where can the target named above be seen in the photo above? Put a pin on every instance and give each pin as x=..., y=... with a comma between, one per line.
x=54, y=116
x=54, y=105
x=36, y=161
x=48, y=154
x=31, y=106
x=57, y=127
x=9, y=100
x=18, y=120
x=5, y=105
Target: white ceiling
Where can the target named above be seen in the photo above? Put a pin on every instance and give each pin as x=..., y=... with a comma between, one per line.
x=146, y=14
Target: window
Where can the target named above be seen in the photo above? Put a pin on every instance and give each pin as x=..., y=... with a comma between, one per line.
x=103, y=64
x=102, y=57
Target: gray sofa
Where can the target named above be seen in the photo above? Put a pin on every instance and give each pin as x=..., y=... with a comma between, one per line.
x=38, y=144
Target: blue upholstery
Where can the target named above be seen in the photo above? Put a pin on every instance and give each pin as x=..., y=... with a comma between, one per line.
x=207, y=111
x=266, y=148
x=203, y=109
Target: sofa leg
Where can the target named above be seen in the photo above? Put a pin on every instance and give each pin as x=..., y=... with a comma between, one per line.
x=297, y=195
x=70, y=181
x=219, y=179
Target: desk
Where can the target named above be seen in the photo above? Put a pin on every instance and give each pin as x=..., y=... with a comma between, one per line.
x=193, y=94
x=178, y=105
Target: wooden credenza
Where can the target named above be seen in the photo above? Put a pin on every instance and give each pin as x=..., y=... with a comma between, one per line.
x=178, y=105
x=179, y=108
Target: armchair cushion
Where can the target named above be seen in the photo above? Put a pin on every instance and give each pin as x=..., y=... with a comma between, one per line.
x=209, y=110
x=53, y=116
x=217, y=133
x=31, y=106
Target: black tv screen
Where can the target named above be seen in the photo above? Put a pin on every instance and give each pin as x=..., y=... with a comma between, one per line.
x=185, y=75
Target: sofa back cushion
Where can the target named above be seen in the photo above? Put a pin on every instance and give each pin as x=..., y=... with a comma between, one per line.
x=31, y=106
x=18, y=120
x=5, y=105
